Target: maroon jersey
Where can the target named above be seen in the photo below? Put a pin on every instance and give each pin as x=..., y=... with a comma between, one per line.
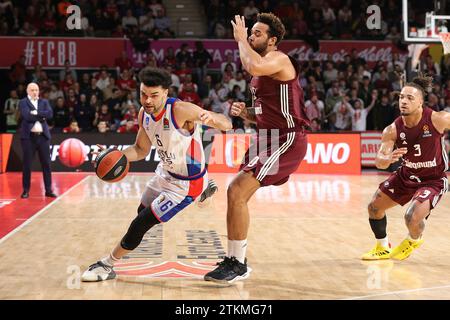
x=279, y=104
x=426, y=158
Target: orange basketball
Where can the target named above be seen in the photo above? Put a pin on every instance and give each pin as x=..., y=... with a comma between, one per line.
x=111, y=165
x=72, y=152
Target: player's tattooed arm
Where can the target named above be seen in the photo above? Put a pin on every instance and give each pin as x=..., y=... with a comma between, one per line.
x=238, y=109
x=386, y=154
x=441, y=120
x=141, y=148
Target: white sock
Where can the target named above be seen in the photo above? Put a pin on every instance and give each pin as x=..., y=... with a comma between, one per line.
x=239, y=249
x=384, y=242
x=110, y=260
x=230, y=249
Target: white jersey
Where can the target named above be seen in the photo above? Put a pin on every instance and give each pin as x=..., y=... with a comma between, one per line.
x=181, y=152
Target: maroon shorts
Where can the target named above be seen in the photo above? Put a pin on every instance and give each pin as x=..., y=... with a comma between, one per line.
x=273, y=157
x=402, y=190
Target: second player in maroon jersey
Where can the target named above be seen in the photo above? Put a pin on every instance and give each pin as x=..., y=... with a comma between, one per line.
x=416, y=137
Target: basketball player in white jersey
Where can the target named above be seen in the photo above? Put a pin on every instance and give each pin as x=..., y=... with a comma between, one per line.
x=173, y=127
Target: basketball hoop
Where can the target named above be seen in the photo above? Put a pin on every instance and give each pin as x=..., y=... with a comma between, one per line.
x=445, y=39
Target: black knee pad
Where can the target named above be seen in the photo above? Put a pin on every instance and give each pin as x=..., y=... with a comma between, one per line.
x=140, y=225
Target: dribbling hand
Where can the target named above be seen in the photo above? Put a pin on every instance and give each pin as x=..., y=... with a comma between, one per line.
x=237, y=108
x=397, y=154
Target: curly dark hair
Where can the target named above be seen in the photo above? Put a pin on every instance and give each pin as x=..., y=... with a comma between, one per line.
x=276, y=27
x=153, y=77
x=422, y=82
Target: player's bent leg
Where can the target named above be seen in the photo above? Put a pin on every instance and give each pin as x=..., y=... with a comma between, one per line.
x=415, y=222
x=378, y=223
x=101, y=270
x=234, y=268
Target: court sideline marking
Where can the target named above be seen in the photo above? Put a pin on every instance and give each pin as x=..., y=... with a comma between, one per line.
x=395, y=292
x=41, y=211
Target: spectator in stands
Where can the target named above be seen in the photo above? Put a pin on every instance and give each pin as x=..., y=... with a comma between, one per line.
x=429, y=66
x=61, y=115
x=236, y=94
x=189, y=95
x=103, y=80
x=147, y=23
x=126, y=84
x=315, y=125
x=330, y=74
x=169, y=58
x=102, y=127
x=384, y=113
x=345, y=22
x=314, y=108
x=103, y=115
x=239, y=81
x=228, y=73
x=183, y=71
x=383, y=84
x=84, y=114
x=72, y=128
x=188, y=82
x=229, y=60
x=129, y=20
x=249, y=11
x=67, y=70
x=49, y=23
x=332, y=98
x=18, y=71
x=205, y=86
x=201, y=59
x=123, y=62
x=128, y=127
x=184, y=56
x=433, y=102
x=11, y=110
x=129, y=100
x=54, y=94
x=218, y=96
x=173, y=76
x=115, y=108
x=163, y=24
x=107, y=93
x=359, y=114
x=342, y=110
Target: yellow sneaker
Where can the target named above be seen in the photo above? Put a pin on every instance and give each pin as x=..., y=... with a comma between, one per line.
x=405, y=248
x=377, y=253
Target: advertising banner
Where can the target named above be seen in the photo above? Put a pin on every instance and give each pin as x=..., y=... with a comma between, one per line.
x=85, y=53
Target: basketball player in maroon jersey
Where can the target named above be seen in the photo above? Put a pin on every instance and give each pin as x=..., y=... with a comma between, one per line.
x=278, y=111
x=417, y=136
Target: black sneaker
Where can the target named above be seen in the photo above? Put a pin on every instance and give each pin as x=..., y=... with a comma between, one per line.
x=98, y=272
x=210, y=190
x=229, y=271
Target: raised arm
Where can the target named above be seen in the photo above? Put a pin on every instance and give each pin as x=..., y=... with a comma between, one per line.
x=256, y=65
x=189, y=112
x=386, y=154
x=141, y=148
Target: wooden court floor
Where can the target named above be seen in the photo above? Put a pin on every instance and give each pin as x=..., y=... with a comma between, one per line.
x=305, y=241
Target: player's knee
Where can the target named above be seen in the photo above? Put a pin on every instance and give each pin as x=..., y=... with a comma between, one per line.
x=139, y=226
x=374, y=211
x=235, y=192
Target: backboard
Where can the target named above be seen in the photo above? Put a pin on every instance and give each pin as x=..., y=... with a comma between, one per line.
x=423, y=20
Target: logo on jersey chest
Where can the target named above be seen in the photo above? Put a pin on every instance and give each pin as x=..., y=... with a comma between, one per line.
x=166, y=124
x=403, y=137
x=426, y=132
x=147, y=121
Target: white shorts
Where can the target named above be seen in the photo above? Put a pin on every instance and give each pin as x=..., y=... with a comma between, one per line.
x=167, y=195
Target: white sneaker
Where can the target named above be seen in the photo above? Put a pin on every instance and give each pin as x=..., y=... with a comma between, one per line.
x=98, y=272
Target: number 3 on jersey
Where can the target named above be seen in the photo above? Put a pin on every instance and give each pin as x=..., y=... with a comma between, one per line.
x=419, y=151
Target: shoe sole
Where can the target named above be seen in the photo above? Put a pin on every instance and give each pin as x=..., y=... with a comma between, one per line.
x=99, y=278
x=242, y=277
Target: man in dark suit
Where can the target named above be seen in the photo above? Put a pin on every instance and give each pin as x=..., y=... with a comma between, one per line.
x=35, y=135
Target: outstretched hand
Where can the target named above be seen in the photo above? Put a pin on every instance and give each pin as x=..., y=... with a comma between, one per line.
x=397, y=154
x=239, y=29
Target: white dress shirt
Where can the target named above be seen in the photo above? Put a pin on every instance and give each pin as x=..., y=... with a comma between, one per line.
x=37, y=125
